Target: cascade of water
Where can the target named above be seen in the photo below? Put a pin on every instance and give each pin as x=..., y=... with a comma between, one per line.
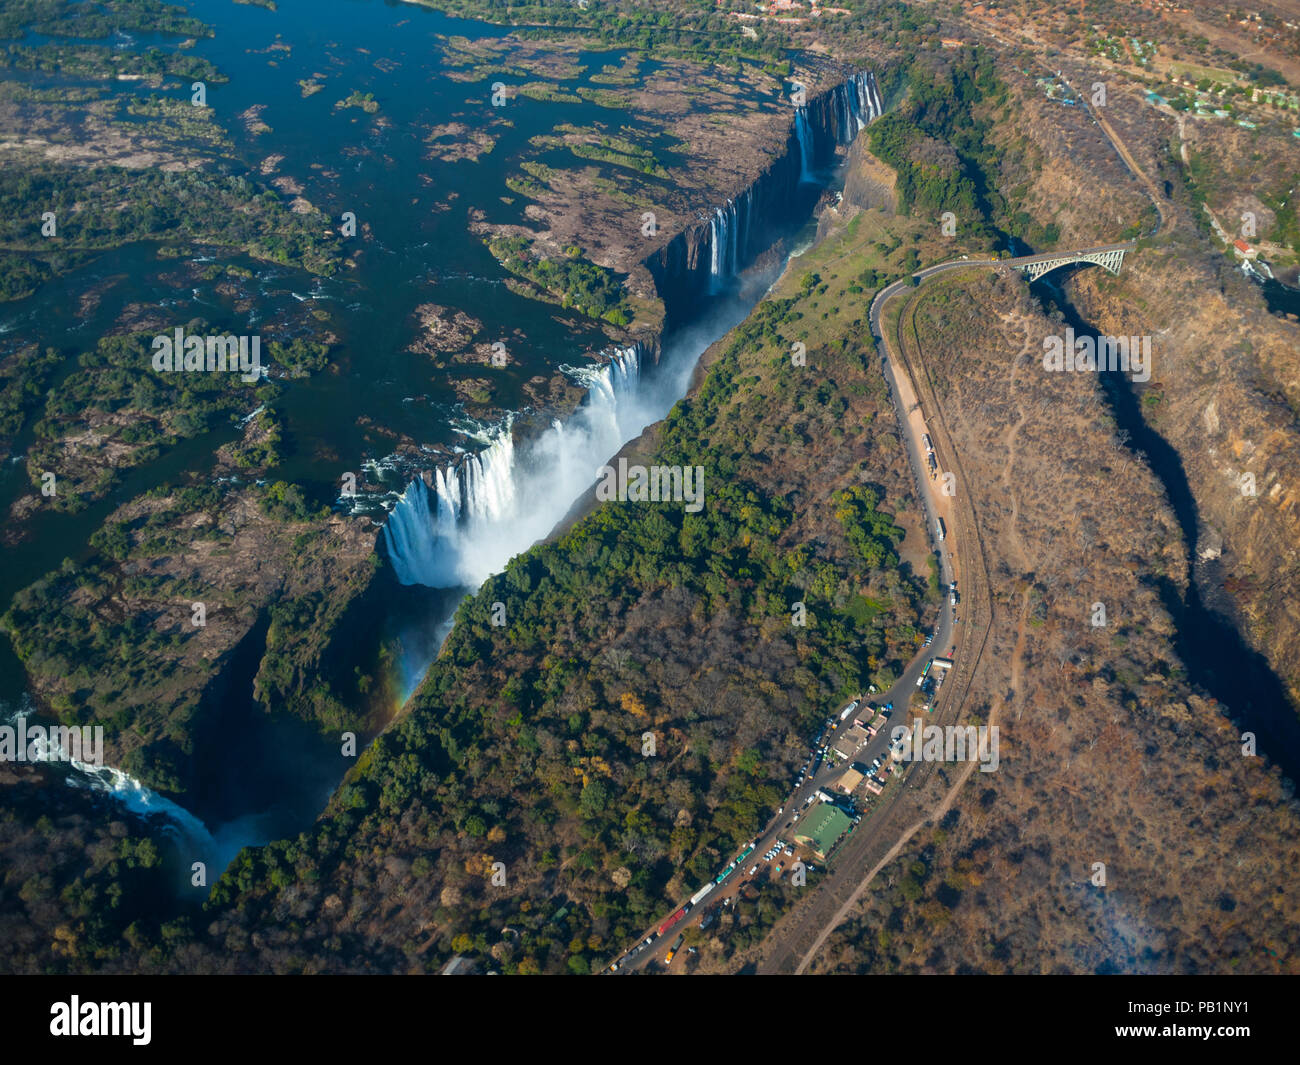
x=497, y=503
x=733, y=232
x=857, y=103
x=749, y=215
x=413, y=551
x=803, y=132
x=142, y=800
x=129, y=792
x=723, y=257
x=715, y=248
x=873, y=93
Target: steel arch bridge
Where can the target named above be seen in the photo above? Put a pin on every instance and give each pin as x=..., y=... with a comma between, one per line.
x=1111, y=259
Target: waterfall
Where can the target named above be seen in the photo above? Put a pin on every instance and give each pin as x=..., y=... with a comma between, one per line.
x=471, y=518
x=216, y=848
x=479, y=514
x=717, y=229
x=728, y=230
x=144, y=802
x=749, y=214
x=803, y=131
x=196, y=842
x=733, y=233
x=873, y=90
x=857, y=103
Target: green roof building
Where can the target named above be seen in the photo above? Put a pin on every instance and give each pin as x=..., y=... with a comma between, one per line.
x=821, y=828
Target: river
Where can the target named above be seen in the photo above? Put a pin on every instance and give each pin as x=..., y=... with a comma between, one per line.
x=261, y=777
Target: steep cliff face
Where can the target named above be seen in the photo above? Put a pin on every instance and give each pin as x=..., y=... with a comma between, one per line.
x=869, y=183
x=1106, y=747
x=1223, y=394
x=695, y=261
x=705, y=255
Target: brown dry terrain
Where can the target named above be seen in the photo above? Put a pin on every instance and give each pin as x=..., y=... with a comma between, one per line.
x=95, y=136
x=1059, y=167
x=726, y=128
x=524, y=745
x=1226, y=379
x=1107, y=755
x=1224, y=392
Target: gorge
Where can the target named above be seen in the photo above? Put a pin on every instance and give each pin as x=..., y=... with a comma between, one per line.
x=460, y=523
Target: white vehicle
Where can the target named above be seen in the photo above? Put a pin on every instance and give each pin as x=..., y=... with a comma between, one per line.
x=699, y=895
x=940, y=531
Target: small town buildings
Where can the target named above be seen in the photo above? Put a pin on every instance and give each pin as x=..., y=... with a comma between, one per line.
x=822, y=828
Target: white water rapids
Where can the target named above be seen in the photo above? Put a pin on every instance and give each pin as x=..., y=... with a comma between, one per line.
x=478, y=515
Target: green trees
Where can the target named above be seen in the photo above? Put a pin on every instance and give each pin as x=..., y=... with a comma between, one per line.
x=285, y=502
x=872, y=533
x=940, y=141
x=103, y=207
x=574, y=281
x=926, y=185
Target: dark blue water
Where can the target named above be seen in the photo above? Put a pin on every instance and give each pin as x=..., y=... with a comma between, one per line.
x=416, y=247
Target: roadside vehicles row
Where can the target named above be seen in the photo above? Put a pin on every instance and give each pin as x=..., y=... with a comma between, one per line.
x=734, y=863
x=925, y=673
x=780, y=848
x=699, y=895
x=673, y=919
